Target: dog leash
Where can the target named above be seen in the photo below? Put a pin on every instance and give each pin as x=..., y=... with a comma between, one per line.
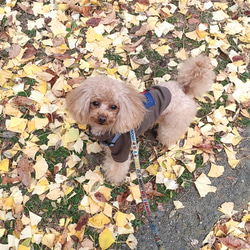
x=135, y=150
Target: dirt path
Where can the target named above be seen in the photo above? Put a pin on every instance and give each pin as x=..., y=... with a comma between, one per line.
x=187, y=228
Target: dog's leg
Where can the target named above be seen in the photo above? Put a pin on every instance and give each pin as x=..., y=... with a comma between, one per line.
x=115, y=172
x=175, y=121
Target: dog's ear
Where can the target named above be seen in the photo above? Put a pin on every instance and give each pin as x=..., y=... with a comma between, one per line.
x=131, y=110
x=78, y=102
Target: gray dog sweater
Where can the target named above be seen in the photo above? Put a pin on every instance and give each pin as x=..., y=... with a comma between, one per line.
x=158, y=98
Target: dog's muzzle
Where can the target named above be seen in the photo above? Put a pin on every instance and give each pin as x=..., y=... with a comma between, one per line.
x=102, y=119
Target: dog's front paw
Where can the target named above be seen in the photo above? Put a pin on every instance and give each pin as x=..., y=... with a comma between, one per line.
x=115, y=172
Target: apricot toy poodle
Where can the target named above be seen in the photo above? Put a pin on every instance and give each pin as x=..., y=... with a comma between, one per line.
x=112, y=108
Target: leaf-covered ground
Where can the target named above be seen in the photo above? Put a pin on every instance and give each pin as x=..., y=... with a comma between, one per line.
x=53, y=194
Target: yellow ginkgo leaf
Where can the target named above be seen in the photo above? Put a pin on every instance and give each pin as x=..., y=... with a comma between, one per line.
x=178, y=204
x=215, y=170
x=48, y=240
x=163, y=50
x=34, y=219
x=152, y=169
x=106, y=239
x=93, y=148
x=131, y=241
x=4, y=165
x=123, y=70
x=182, y=54
x=203, y=185
x=202, y=33
x=40, y=167
x=135, y=191
x=71, y=135
x=99, y=220
x=122, y=219
x=227, y=208
x=22, y=247
x=54, y=194
x=41, y=123
x=16, y=124
x=231, y=155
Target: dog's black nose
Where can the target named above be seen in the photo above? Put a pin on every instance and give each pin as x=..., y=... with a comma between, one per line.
x=102, y=119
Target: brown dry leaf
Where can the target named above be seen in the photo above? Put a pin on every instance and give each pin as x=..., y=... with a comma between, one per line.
x=151, y=192
x=69, y=245
x=87, y=243
x=146, y=2
x=160, y=207
x=24, y=169
x=193, y=19
x=246, y=104
x=6, y=179
x=111, y=17
x=77, y=80
x=93, y=22
x=245, y=113
x=26, y=9
x=62, y=56
x=83, y=220
x=143, y=30
x=45, y=76
x=100, y=197
x=86, y=8
x=234, y=243
x=14, y=50
x=132, y=47
x=58, y=67
x=247, y=226
x=58, y=41
x=24, y=101
x=141, y=61
x=122, y=198
x=29, y=52
x=18, y=225
x=237, y=58
x=208, y=147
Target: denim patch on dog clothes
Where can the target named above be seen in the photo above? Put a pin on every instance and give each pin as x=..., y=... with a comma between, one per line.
x=150, y=100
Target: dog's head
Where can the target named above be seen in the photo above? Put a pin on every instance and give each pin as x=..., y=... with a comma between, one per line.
x=106, y=105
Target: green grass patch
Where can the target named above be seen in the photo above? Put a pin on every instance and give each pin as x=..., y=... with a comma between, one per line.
x=30, y=33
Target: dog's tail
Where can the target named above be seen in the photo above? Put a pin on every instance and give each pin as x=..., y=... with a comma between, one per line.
x=196, y=76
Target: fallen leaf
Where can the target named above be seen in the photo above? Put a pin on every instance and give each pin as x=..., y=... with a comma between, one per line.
x=227, y=208
x=83, y=220
x=203, y=186
x=216, y=170
x=131, y=241
x=14, y=50
x=100, y=197
x=178, y=204
x=93, y=22
x=4, y=165
x=106, y=239
x=29, y=52
x=99, y=220
x=24, y=169
x=234, y=243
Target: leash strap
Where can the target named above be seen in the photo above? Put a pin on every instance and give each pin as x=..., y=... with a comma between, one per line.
x=142, y=189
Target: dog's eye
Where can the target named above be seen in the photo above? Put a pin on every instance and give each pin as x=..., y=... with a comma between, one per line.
x=113, y=107
x=95, y=103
